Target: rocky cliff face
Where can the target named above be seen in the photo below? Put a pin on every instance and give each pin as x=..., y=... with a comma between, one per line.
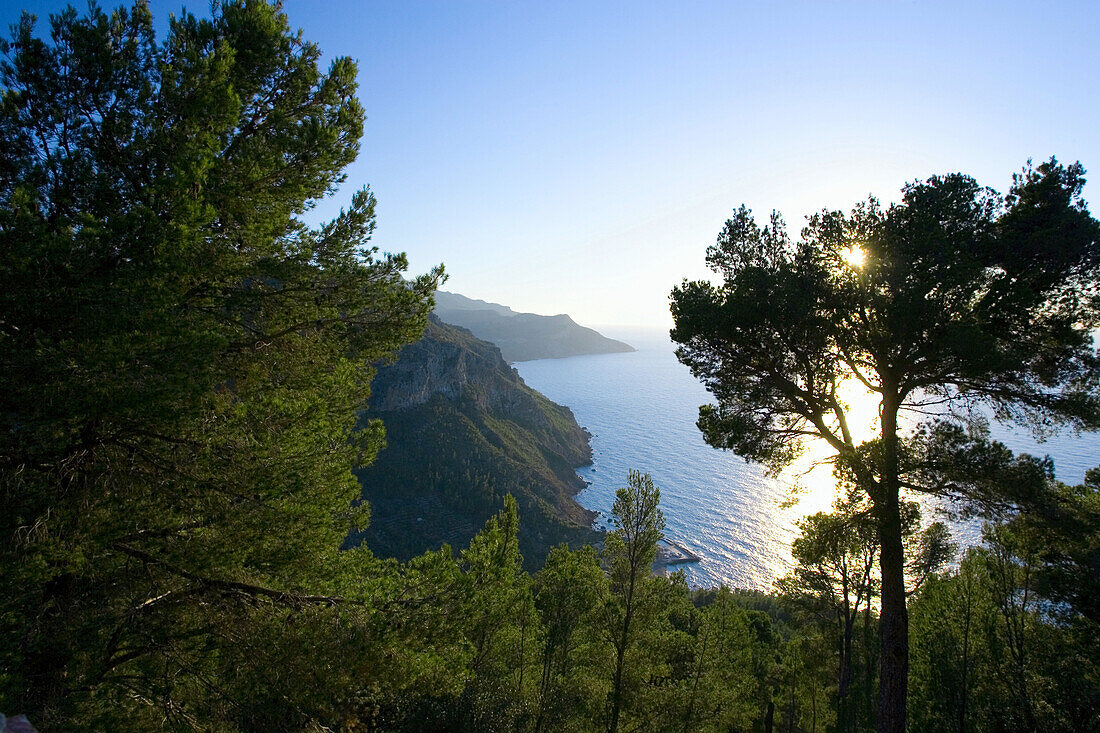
x=462, y=431
x=454, y=364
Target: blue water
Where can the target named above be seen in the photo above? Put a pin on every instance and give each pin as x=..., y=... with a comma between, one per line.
x=641, y=409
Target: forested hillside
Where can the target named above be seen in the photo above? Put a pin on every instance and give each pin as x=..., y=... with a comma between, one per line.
x=463, y=431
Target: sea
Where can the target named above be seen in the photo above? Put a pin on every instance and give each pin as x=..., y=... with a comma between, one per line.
x=641, y=408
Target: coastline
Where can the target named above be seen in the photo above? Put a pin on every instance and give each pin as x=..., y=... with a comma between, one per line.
x=670, y=553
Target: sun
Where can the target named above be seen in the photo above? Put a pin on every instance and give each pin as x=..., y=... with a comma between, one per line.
x=855, y=256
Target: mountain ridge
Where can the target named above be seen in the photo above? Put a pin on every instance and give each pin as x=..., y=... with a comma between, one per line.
x=524, y=336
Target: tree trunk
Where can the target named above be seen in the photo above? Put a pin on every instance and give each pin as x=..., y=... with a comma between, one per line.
x=965, y=694
x=544, y=685
x=617, y=683
x=894, y=660
x=624, y=637
x=870, y=664
x=844, y=706
x=695, y=683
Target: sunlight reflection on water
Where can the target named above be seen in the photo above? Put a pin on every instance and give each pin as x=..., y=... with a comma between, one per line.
x=641, y=408
x=812, y=474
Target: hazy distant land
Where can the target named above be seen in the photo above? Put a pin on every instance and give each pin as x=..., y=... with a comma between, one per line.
x=523, y=336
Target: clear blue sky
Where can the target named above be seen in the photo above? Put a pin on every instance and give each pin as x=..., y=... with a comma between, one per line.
x=579, y=157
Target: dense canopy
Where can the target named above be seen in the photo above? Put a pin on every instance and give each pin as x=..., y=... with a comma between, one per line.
x=183, y=357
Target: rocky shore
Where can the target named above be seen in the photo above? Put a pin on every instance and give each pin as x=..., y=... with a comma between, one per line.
x=670, y=554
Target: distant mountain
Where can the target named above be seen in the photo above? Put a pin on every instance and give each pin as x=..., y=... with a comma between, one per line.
x=447, y=302
x=463, y=430
x=523, y=336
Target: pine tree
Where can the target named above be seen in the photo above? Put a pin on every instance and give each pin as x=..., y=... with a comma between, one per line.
x=182, y=356
x=954, y=296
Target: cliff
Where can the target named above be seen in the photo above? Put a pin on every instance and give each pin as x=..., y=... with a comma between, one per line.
x=463, y=430
x=524, y=336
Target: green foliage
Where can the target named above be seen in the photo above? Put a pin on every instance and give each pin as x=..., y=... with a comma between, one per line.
x=992, y=653
x=834, y=581
x=569, y=592
x=484, y=615
x=629, y=553
x=182, y=361
x=451, y=459
x=1008, y=641
x=500, y=622
x=957, y=297
x=715, y=666
x=833, y=586
x=631, y=549
x=1065, y=530
x=951, y=620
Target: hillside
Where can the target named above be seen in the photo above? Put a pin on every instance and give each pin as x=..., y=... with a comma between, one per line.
x=523, y=336
x=462, y=431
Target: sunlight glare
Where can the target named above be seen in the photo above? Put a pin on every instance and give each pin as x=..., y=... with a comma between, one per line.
x=855, y=256
x=814, y=470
